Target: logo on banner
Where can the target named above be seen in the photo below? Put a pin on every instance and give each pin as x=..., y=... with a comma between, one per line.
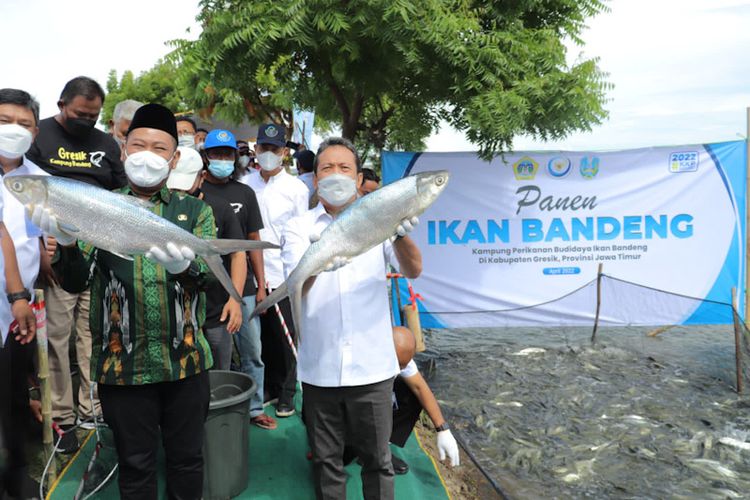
x=559, y=167
x=683, y=161
x=525, y=169
x=589, y=167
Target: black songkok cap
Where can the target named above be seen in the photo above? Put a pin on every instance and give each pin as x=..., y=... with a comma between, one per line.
x=154, y=116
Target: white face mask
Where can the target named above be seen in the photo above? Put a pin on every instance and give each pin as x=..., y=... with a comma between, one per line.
x=244, y=161
x=269, y=161
x=15, y=141
x=186, y=141
x=337, y=189
x=146, y=169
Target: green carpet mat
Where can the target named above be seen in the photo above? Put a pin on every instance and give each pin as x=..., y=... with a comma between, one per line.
x=279, y=468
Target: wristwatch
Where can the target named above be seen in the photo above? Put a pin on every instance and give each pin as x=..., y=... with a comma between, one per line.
x=443, y=427
x=22, y=295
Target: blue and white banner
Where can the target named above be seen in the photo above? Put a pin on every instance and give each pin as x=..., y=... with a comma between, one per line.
x=303, y=121
x=510, y=237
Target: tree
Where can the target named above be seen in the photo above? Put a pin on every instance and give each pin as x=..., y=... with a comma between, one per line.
x=387, y=71
x=159, y=84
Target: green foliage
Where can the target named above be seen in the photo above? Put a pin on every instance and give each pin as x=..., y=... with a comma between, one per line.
x=159, y=84
x=387, y=71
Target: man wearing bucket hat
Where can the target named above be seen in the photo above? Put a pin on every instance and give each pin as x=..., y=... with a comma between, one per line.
x=280, y=197
x=223, y=313
x=220, y=152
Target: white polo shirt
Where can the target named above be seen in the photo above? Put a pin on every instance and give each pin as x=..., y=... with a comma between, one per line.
x=282, y=198
x=347, y=338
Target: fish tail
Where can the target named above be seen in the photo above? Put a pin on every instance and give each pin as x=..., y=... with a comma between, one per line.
x=225, y=246
x=275, y=296
x=217, y=267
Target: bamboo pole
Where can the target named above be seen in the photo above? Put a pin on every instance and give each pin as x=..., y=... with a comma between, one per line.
x=44, y=384
x=598, y=301
x=747, y=215
x=737, y=344
x=411, y=313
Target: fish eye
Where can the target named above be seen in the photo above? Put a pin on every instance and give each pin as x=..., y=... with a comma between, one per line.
x=17, y=186
x=439, y=180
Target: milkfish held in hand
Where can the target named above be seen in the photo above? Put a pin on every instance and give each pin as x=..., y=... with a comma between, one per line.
x=120, y=224
x=367, y=222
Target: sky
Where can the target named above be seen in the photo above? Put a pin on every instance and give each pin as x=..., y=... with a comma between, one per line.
x=680, y=68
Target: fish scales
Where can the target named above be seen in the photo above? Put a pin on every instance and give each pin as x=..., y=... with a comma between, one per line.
x=120, y=224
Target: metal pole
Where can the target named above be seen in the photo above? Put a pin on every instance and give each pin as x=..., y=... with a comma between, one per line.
x=737, y=345
x=44, y=383
x=598, y=301
x=747, y=214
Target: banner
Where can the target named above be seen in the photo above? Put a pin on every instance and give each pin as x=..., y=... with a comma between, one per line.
x=510, y=238
x=303, y=122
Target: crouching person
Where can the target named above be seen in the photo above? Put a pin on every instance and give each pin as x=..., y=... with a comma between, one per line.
x=150, y=357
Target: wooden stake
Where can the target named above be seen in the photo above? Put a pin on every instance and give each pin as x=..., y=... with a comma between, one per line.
x=737, y=344
x=598, y=301
x=415, y=325
x=44, y=385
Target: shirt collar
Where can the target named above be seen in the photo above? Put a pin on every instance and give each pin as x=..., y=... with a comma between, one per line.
x=164, y=194
x=319, y=212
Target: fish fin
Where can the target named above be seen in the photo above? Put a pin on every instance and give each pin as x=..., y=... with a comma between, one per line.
x=296, y=303
x=225, y=246
x=217, y=267
x=275, y=296
x=68, y=228
x=122, y=255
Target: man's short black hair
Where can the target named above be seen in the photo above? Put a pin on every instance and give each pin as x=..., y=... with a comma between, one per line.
x=21, y=98
x=337, y=141
x=369, y=174
x=201, y=130
x=81, y=85
x=187, y=119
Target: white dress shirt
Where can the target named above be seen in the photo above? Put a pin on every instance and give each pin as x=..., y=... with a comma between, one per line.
x=347, y=338
x=25, y=238
x=5, y=316
x=280, y=199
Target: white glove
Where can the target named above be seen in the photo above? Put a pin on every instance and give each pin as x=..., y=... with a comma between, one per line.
x=406, y=226
x=42, y=218
x=175, y=260
x=446, y=445
x=337, y=263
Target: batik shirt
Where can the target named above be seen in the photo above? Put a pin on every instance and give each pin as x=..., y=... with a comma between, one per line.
x=146, y=323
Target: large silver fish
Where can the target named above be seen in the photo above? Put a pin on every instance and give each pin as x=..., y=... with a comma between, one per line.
x=118, y=223
x=367, y=222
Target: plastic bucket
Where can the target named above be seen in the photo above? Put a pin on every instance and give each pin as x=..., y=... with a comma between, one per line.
x=227, y=435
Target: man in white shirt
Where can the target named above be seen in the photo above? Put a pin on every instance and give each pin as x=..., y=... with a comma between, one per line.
x=280, y=197
x=347, y=360
x=19, y=117
x=305, y=159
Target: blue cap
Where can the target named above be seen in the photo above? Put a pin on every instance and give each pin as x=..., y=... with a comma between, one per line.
x=270, y=133
x=219, y=138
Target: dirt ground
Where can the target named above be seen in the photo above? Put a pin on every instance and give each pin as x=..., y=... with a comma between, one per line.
x=465, y=482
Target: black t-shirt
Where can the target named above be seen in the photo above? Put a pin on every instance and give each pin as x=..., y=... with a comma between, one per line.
x=227, y=226
x=94, y=159
x=245, y=204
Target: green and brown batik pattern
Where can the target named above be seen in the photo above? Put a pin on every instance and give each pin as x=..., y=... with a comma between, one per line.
x=146, y=323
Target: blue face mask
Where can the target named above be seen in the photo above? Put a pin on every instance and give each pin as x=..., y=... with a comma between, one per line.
x=221, y=168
